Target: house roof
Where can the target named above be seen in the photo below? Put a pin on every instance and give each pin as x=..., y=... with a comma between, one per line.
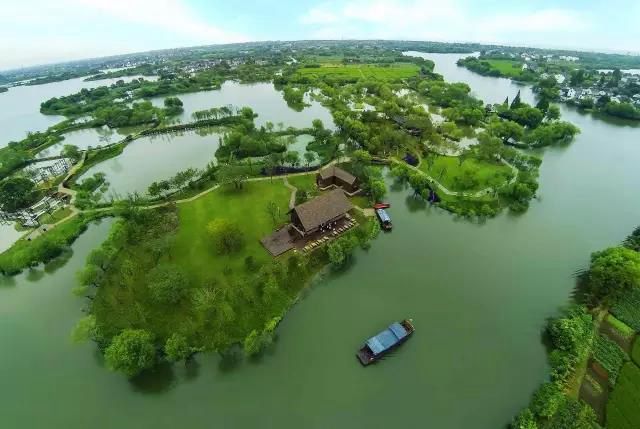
x=333, y=171
x=322, y=209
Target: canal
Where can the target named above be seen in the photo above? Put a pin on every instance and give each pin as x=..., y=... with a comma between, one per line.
x=479, y=294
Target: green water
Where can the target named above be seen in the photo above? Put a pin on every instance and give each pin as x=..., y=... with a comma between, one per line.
x=478, y=293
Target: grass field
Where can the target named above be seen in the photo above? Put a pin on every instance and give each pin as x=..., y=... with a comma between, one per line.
x=507, y=67
x=56, y=216
x=623, y=408
x=360, y=71
x=306, y=181
x=473, y=175
x=247, y=207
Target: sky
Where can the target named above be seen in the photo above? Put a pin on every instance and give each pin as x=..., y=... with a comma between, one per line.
x=45, y=31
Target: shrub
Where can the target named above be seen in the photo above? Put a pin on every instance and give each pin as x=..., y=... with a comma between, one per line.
x=610, y=356
x=227, y=235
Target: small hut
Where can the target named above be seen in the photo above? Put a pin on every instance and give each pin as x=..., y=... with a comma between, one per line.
x=337, y=177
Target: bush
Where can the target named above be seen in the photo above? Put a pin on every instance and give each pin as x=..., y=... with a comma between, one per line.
x=610, y=356
x=227, y=235
x=166, y=284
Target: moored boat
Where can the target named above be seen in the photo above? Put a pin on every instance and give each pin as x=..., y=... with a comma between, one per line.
x=376, y=347
x=385, y=219
x=381, y=206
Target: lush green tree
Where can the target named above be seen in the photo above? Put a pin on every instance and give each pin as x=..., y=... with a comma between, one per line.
x=506, y=130
x=231, y=174
x=633, y=240
x=613, y=272
x=553, y=113
x=177, y=348
x=131, y=352
x=16, y=193
x=516, y=101
x=227, y=236
x=309, y=157
x=84, y=330
x=524, y=420
x=166, y=284
x=71, y=151
x=292, y=158
x=552, y=133
x=547, y=399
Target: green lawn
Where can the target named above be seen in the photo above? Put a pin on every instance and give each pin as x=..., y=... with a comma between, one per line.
x=193, y=249
x=508, y=68
x=367, y=71
x=473, y=175
x=306, y=181
x=56, y=216
x=623, y=408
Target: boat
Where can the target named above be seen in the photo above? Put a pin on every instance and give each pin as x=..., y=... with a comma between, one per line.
x=387, y=340
x=385, y=219
x=381, y=206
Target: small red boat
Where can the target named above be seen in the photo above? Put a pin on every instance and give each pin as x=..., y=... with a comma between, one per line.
x=381, y=206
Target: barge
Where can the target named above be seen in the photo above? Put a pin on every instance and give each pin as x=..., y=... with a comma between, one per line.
x=387, y=340
x=385, y=219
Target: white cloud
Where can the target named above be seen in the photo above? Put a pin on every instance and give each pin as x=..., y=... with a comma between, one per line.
x=170, y=15
x=452, y=20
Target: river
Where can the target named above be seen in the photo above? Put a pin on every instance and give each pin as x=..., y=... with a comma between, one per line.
x=479, y=295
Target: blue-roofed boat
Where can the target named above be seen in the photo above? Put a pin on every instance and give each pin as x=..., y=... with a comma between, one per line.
x=387, y=340
x=384, y=218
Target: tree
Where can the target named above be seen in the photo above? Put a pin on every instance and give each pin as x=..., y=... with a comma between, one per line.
x=524, y=420
x=71, y=151
x=131, y=352
x=553, y=113
x=16, y=193
x=613, y=272
x=273, y=211
x=228, y=173
x=506, y=130
x=336, y=254
x=226, y=235
x=547, y=399
x=309, y=157
x=177, y=348
x=516, y=101
x=552, y=133
x=292, y=158
x=166, y=284
x=377, y=189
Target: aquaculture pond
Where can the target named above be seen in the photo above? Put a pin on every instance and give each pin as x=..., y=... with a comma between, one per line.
x=479, y=294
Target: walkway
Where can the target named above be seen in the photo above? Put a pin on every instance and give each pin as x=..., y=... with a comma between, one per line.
x=476, y=194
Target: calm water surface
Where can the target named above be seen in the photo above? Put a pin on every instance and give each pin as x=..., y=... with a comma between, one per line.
x=261, y=97
x=478, y=293
x=20, y=106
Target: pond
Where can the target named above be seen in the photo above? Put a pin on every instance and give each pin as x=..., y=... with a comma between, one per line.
x=263, y=98
x=155, y=158
x=83, y=139
x=479, y=295
x=20, y=106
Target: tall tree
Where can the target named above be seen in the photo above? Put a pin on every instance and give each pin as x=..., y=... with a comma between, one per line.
x=131, y=352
